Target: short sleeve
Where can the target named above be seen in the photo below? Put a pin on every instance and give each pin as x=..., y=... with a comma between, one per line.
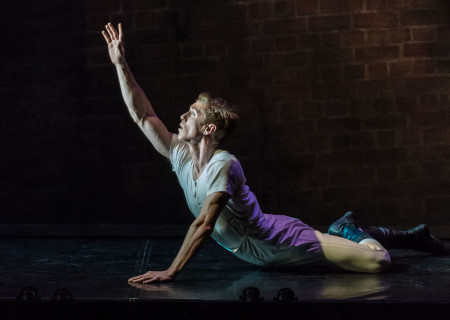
x=224, y=176
x=178, y=154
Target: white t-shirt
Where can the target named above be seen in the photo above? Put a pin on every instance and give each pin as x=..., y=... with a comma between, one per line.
x=222, y=174
x=241, y=227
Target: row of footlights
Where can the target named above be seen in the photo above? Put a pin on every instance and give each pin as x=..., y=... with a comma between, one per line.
x=30, y=293
x=250, y=294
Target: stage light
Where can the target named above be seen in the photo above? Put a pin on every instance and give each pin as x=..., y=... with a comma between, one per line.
x=285, y=295
x=29, y=293
x=250, y=294
x=63, y=294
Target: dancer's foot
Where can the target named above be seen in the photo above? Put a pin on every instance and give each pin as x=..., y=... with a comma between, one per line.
x=427, y=242
x=345, y=227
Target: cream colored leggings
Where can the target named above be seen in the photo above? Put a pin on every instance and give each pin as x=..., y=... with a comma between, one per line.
x=352, y=256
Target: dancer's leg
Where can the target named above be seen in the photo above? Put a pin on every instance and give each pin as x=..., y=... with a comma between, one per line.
x=353, y=256
x=418, y=238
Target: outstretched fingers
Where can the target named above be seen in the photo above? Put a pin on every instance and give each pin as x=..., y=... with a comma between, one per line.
x=105, y=35
x=135, y=279
x=151, y=277
x=141, y=277
x=120, y=33
x=112, y=32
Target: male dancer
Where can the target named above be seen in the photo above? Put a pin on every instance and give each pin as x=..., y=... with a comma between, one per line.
x=223, y=205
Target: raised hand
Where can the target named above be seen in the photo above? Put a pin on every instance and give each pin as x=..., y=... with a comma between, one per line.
x=114, y=40
x=152, y=277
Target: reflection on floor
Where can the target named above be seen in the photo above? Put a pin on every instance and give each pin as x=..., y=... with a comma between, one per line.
x=98, y=269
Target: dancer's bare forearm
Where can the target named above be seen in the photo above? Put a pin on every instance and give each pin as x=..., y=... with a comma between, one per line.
x=139, y=107
x=198, y=233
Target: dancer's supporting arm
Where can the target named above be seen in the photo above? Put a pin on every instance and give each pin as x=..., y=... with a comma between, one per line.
x=198, y=233
x=139, y=106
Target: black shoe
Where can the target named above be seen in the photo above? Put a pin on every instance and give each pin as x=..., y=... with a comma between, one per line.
x=335, y=228
x=345, y=227
x=426, y=242
x=418, y=238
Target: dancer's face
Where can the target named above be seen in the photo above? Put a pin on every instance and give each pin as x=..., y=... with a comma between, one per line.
x=192, y=124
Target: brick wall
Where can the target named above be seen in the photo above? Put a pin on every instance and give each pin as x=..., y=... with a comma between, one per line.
x=344, y=106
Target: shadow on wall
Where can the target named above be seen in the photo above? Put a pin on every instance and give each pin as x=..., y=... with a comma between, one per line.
x=332, y=99
x=341, y=108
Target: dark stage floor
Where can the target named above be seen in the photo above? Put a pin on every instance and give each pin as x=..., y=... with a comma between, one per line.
x=96, y=271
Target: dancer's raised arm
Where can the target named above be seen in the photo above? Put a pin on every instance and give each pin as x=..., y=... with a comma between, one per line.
x=139, y=106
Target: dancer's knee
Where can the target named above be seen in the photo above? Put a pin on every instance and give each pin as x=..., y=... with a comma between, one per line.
x=380, y=263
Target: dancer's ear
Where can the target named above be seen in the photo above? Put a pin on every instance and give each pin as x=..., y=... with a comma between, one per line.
x=209, y=129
